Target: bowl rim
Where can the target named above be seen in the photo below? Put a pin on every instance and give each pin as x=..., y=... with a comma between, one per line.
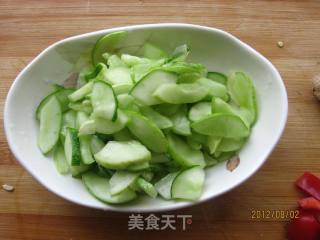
x=108, y=207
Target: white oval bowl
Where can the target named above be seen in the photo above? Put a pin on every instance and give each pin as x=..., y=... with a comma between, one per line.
x=216, y=49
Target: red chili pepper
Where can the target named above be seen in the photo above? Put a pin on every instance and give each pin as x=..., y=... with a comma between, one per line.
x=309, y=203
x=305, y=227
x=310, y=184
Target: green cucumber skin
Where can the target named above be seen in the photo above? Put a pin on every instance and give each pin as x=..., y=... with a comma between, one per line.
x=54, y=129
x=154, y=139
x=76, y=155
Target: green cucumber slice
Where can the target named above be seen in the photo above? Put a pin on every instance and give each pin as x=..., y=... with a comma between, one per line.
x=60, y=160
x=183, y=154
x=62, y=96
x=50, y=125
x=163, y=186
x=153, y=52
x=188, y=184
x=220, y=106
x=99, y=187
x=131, y=60
x=122, y=88
x=147, y=187
x=85, y=149
x=230, y=144
x=217, y=77
x=104, y=126
x=84, y=106
x=180, y=93
x=213, y=143
x=107, y=43
x=121, y=180
x=167, y=109
x=222, y=125
x=214, y=89
x=123, y=135
x=193, y=143
x=161, y=121
x=143, y=90
x=147, y=132
x=72, y=147
x=114, y=61
x=81, y=117
x=138, y=167
x=120, y=155
x=242, y=91
x=104, y=101
x=96, y=144
x=68, y=120
x=181, y=124
x=199, y=110
x=80, y=93
x=210, y=161
x=118, y=75
x=159, y=158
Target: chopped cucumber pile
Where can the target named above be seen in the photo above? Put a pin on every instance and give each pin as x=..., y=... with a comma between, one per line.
x=148, y=123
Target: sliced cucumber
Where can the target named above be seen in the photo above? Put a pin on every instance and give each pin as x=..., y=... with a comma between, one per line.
x=114, y=61
x=217, y=77
x=199, y=110
x=81, y=92
x=242, y=92
x=62, y=96
x=84, y=106
x=131, y=60
x=68, y=120
x=104, y=101
x=120, y=155
x=222, y=125
x=96, y=144
x=188, y=77
x=193, y=143
x=188, y=184
x=85, y=149
x=72, y=147
x=215, y=89
x=153, y=52
x=125, y=101
x=50, y=125
x=104, y=126
x=123, y=135
x=121, y=180
x=161, y=121
x=138, y=167
x=180, y=93
x=118, y=75
x=163, y=186
x=143, y=90
x=147, y=132
x=167, y=109
x=220, y=106
x=147, y=187
x=81, y=117
x=210, y=161
x=230, y=144
x=122, y=88
x=99, y=187
x=181, y=124
x=183, y=154
x=60, y=160
x=147, y=175
x=107, y=43
x=213, y=143
x=159, y=158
